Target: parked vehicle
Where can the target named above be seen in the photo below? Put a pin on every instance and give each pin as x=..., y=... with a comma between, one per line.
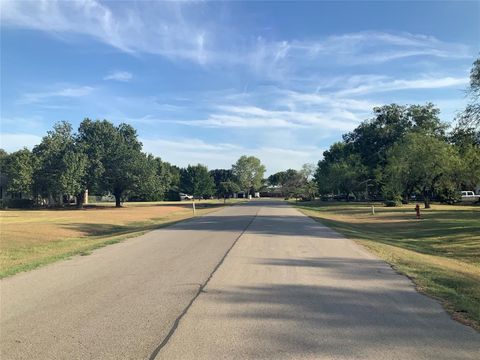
x=185, y=196
x=344, y=197
x=470, y=196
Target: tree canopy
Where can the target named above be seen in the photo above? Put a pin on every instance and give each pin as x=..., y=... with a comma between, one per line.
x=18, y=168
x=248, y=172
x=196, y=180
x=470, y=117
x=60, y=167
x=227, y=188
x=424, y=163
x=222, y=176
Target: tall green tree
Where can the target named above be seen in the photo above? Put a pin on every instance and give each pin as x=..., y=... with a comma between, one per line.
x=196, y=180
x=172, y=174
x=276, y=179
x=471, y=115
x=95, y=138
x=61, y=167
x=292, y=183
x=341, y=171
x=469, y=174
x=227, y=188
x=158, y=179
x=462, y=136
x=3, y=156
x=372, y=139
x=248, y=172
x=221, y=176
x=426, y=119
x=116, y=164
x=18, y=169
x=123, y=163
x=165, y=175
x=423, y=163
x=152, y=186
x=467, y=141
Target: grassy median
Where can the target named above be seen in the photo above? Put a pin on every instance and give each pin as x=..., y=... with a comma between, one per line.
x=440, y=252
x=31, y=238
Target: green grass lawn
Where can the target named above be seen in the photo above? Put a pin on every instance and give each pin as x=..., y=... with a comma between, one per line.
x=440, y=252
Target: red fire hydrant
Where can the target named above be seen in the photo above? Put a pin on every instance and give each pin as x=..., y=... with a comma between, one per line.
x=417, y=210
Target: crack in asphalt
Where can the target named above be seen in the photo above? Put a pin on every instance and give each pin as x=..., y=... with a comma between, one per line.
x=199, y=291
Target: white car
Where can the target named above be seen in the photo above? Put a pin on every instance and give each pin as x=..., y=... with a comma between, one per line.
x=185, y=196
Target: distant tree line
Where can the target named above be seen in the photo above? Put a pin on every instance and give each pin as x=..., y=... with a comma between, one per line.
x=108, y=160
x=400, y=152
x=404, y=151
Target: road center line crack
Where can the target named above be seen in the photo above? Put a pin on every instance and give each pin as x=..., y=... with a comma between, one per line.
x=199, y=291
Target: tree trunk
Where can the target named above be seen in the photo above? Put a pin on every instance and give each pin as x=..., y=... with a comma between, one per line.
x=118, y=199
x=426, y=200
x=80, y=199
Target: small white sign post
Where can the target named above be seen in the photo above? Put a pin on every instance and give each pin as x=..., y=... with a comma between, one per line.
x=193, y=207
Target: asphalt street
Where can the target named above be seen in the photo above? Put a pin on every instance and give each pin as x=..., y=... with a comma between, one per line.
x=121, y=301
x=253, y=281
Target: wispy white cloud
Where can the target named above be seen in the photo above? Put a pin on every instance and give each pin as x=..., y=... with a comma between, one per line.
x=177, y=30
x=257, y=118
x=119, y=76
x=158, y=28
x=286, y=60
x=66, y=92
x=325, y=100
x=403, y=84
x=375, y=46
x=338, y=105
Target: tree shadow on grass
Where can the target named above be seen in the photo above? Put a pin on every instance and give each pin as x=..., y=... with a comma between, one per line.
x=95, y=230
x=440, y=238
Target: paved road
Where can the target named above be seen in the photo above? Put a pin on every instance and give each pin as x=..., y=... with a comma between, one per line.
x=121, y=301
x=293, y=289
x=289, y=288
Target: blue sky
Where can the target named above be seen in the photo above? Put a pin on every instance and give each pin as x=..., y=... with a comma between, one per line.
x=205, y=82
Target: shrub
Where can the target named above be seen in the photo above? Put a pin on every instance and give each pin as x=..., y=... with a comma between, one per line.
x=20, y=203
x=391, y=203
x=449, y=195
x=173, y=195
